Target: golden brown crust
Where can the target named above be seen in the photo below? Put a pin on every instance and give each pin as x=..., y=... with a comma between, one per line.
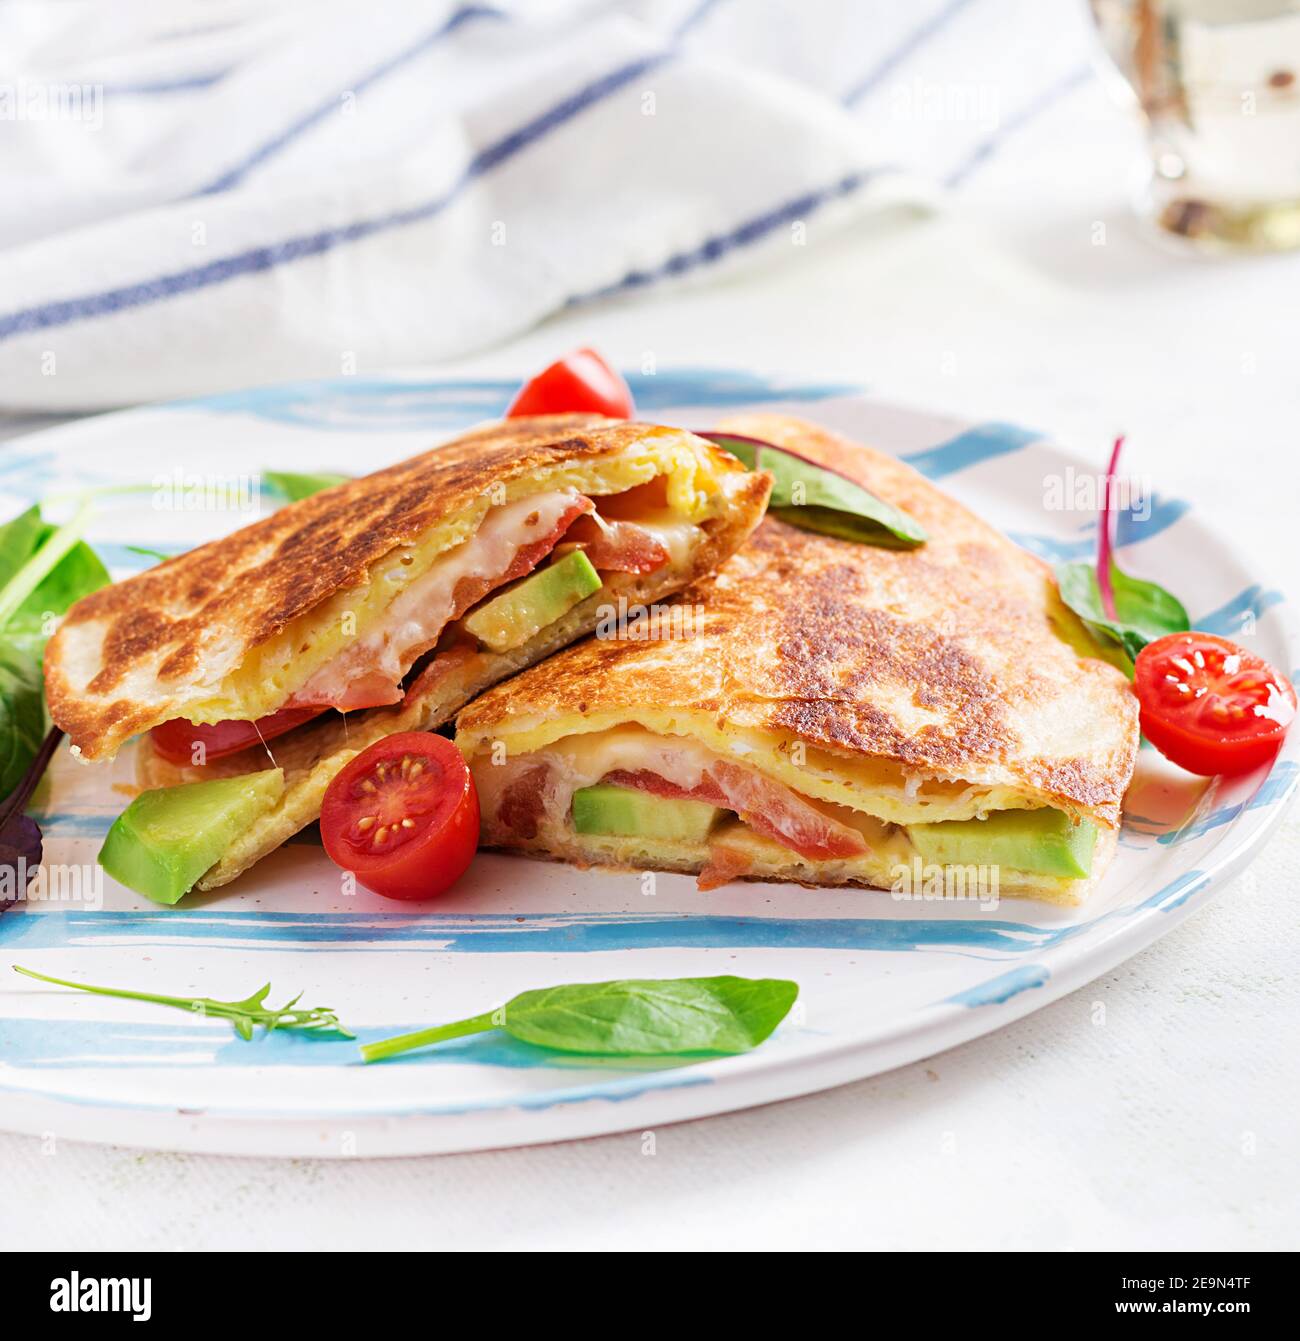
x=943, y=659
x=157, y=634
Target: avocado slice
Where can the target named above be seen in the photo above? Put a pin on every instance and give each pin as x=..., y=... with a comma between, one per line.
x=606, y=808
x=1045, y=842
x=166, y=838
x=510, y=619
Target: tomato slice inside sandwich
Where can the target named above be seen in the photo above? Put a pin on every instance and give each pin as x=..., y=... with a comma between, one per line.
x=177, y=740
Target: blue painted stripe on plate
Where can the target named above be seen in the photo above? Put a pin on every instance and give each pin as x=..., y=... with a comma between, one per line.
x=61, y=1044
x=347, y=405
x=541, y=934
x=1237, y=616
x=981, y=443
x=1276, y=787
x=1002, y=988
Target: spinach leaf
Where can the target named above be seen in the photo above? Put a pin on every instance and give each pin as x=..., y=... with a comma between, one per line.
x=1143, y=610
x=77, y=574
x=43, y=570
x=297, y=487
x=19, y=540
x=634, y=1017
x=22, y=713
x=39, y=563
x=816, y=498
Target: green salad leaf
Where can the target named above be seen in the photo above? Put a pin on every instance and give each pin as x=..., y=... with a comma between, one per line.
x=816, y=498
x=244, y=1015
x=22, y=713
x=44, y=569
x=1144, y=611
x=634, y=1017
x=19, y=540
x=296, y=487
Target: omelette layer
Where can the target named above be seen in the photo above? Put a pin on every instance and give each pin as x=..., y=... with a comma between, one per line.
x=298, y=607
x=832, y=693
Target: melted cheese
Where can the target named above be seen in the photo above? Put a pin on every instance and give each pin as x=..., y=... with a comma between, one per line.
x=417, y=614
x=580, y=761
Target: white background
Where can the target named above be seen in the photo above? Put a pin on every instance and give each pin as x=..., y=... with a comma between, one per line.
x=1170, y=1120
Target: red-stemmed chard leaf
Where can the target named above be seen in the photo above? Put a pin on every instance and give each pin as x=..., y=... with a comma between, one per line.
x=1115, y=607
x=1104, y=525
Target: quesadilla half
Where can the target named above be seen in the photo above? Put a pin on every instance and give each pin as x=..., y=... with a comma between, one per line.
x=403, y=594
x=829, y=713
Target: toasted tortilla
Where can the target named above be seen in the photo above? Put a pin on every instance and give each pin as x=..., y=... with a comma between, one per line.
x=886, y=686
x=232, y=629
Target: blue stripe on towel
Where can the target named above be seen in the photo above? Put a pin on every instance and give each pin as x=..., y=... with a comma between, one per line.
x=743, y=235
x=694, y=18
x=150, y=87
x=109, y=301
x=1030, y=112
x=330, y=106
x=917, y=38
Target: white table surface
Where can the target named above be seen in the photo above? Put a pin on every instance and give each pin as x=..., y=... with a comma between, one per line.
x=1173, y=1124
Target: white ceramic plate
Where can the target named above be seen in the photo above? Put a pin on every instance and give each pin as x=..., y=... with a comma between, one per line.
x=883, y=982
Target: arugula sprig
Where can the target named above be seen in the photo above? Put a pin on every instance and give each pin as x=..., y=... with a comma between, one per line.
x=245, y=1015
x=632, y=1017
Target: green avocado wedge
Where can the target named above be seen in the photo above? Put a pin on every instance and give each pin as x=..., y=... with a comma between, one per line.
x=166, y=838
x=508, y=621
x=628, y=811
x=1044, y=842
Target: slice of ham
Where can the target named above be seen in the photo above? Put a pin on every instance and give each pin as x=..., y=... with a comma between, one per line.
x=766, y=806
x=438, y=669
x=724, y=865
x=523, y=801
x=618, y=546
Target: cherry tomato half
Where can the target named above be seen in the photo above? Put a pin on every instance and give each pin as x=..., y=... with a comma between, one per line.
x=1209, y=705
x=403, y=816
x=581, y=382
x=175, y=740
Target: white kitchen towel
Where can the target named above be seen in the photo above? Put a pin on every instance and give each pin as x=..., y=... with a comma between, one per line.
x=197, y=196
